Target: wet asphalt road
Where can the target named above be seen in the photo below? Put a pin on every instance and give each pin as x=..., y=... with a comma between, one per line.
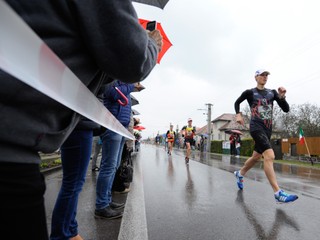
x=172, y=200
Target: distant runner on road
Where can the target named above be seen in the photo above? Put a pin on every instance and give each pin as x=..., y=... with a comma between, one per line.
x=188, y=138
x=170, y=137
x=260, y=100
x=157, y=139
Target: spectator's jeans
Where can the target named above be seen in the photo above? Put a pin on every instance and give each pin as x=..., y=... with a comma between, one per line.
x=112, y=146
x=96, y=150
x=22, y=211
x=75, y=156
x=238, y=151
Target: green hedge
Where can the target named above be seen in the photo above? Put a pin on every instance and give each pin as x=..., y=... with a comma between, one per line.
x=246, y=149
x=216, y=146
x=247, y=146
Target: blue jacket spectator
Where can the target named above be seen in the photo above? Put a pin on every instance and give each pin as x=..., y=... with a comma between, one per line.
x=111, y=97
x=112, y=147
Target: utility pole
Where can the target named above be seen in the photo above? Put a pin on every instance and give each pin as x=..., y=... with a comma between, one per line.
x=208, y=124
x=209, y=127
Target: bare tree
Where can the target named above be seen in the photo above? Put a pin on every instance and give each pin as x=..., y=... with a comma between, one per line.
x=308, y=119
x=246, y=113
x=288, y=122
x=306, y=116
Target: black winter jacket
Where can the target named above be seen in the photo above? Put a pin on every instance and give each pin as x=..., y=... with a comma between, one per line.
x=91, y=38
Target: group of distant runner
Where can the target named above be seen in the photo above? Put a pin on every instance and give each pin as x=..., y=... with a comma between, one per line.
x=188, y=134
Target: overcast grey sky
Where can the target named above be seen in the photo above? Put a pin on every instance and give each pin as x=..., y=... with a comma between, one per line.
x=217, y=47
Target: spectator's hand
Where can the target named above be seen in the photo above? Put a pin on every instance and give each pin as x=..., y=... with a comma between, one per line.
x=239, y=119
x=156, y=35
x=138, y=86
x=282, y=92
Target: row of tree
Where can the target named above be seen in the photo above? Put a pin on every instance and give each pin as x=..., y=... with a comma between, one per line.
x=306, y=116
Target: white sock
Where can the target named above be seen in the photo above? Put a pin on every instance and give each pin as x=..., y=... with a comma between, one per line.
x=277, y=193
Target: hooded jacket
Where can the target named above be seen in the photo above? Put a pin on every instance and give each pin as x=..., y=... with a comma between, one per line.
x=94, y=39
x=111, y=97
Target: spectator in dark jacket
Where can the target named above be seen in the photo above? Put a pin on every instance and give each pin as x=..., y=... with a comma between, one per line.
x=232, y=140
x=94, y=39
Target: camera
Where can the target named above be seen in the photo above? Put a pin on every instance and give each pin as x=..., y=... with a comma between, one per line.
x=151, y=26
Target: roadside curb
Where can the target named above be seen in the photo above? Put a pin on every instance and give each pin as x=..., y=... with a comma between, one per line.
x=46, y=158
x=134, y=220
x=47, y=171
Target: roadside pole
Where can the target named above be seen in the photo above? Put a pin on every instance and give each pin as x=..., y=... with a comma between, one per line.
x=209, y=127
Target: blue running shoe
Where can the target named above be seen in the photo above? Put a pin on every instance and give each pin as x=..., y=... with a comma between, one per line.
x=239, y=179
x=283, y=197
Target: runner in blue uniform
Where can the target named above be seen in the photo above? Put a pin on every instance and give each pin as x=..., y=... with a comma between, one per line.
x=260, y=100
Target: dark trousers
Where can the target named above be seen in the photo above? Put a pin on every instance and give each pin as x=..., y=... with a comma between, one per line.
x=118, y=184
x=232, y=149
x=22, y=211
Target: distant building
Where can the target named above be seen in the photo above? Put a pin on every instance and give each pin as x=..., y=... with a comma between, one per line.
x=223, y=123
x=227, y=122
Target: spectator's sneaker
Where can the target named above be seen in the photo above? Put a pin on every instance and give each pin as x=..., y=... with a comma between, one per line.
x=96, y=169
x=187, y=160
x=116, y=206
x=283, y=197
x=107, y=213
x=239, y=179
x=122, y=192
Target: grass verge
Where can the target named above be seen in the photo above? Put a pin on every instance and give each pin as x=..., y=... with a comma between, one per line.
x=299, y=163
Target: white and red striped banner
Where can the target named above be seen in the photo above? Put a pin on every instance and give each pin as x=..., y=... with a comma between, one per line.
x=25, y=56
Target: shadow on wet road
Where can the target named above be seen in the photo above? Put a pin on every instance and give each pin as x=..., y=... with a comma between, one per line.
x=281, y=219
